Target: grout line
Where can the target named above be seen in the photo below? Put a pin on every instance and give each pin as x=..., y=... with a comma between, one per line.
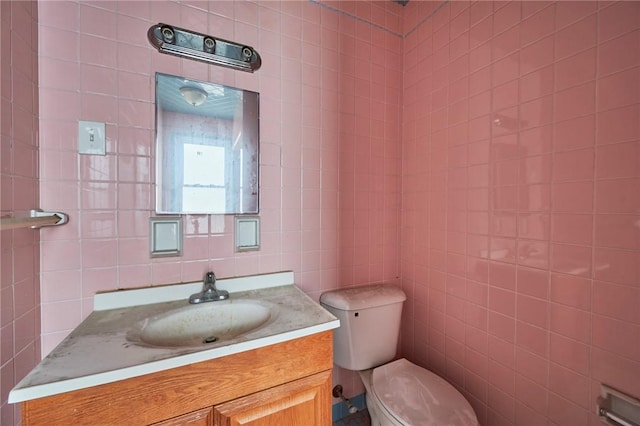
x=591, y=279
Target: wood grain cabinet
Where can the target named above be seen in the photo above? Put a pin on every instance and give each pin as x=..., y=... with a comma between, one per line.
x=286, y=384
x=302, y=402
x=202, y=417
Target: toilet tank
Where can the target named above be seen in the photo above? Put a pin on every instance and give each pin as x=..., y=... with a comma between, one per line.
x=369, y=324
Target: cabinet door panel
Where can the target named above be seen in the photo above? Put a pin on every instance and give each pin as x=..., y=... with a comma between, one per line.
x=305, y=402
x=202, y=417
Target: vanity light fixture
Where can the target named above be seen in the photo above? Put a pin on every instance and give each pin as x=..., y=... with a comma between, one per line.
x=201, y=47
x=193, y=95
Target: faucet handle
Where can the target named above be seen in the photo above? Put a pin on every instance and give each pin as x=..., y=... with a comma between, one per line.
x=209, y=291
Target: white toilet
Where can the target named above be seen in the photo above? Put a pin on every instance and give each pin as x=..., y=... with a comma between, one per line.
x=399, y=393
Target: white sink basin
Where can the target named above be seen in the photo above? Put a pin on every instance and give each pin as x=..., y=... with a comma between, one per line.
x=203, y=324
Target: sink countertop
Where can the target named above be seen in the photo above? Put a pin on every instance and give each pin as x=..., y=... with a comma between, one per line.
x=98, y=351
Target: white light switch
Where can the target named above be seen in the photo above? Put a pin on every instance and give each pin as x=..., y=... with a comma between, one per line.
x=91, y=138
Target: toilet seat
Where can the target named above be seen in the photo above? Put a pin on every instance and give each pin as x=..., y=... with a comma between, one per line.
x=415, y=396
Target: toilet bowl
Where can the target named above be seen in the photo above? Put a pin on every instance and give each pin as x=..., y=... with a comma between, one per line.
x=398, y=393
x=401, y=393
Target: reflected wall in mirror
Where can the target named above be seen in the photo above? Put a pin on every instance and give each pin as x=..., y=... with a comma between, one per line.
x=206, y=147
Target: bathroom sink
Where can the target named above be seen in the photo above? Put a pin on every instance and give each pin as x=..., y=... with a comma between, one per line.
x=202, y=324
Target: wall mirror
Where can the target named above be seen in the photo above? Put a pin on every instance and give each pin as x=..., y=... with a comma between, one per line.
x=206, y=147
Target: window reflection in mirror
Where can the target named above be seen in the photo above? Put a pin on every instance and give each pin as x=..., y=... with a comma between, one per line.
x=206, y=147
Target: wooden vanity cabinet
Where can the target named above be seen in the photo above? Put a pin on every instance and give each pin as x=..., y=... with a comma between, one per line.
x=287, y=404
x=301, y=402
x=284, y=384
x=202, y=417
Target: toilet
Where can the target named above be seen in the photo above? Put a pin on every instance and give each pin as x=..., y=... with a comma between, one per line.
x=398, y=393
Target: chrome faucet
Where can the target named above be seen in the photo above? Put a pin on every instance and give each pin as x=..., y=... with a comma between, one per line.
x=209, y=291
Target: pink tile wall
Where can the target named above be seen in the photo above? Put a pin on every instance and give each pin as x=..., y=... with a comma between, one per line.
x=519, y=159
x=520, y=201
x=360, y=100
x=330, y=151
x=19, y=249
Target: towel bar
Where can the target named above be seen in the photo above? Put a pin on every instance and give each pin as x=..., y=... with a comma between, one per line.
x=35, y=220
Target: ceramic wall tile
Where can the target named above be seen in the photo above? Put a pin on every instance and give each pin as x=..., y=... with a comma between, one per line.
x=552, y=243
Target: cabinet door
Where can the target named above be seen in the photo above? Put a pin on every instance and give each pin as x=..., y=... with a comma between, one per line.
x=304, y=402
x=202, y=417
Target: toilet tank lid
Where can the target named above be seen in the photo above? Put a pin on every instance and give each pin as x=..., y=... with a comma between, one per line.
x=363, y=297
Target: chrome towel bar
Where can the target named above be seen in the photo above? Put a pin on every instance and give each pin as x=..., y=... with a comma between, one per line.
x=35, y=220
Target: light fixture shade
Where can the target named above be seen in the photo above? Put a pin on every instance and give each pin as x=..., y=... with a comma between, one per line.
x=193, y=95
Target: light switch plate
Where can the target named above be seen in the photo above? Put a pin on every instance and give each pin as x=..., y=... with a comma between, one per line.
x=92, y=138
